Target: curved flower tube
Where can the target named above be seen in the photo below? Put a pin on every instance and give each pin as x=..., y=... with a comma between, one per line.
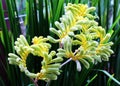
x=72, y=21
x=50, y=67
x=93, y=41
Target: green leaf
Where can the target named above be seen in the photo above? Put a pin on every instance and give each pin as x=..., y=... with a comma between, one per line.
x=94, y=77
x=94, y=2
x=109, y=81
x=114, y=24
x=58, y=10
x=110, y=76
x=76, y=1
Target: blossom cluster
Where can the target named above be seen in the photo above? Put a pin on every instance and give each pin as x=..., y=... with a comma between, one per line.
x=77, y=27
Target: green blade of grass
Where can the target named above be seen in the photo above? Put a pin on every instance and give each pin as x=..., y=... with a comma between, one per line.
x=6, y=39
x=94, y=2
x=94, y=77
x=4, y=30
x=35, y=19
x=84, y=73
x=109, y=81
x=58, y=10
x=114, y=24
x=76, y=1
x=13, y=18
x=115, y=33
x=46, y=20
x=116, y=9
x=30, y=29
x=110, y=76
x=84, y=1
x=41, y=18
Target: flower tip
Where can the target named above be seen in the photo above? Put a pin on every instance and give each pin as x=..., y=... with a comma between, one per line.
x=78, y=65
x=51, y=39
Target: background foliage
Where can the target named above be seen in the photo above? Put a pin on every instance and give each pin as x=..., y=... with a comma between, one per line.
x=33, y=18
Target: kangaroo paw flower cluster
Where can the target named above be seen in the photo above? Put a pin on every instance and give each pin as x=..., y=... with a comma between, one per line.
x=91, y=39
x=83, y=41
x=72, y=21
x=50, y=66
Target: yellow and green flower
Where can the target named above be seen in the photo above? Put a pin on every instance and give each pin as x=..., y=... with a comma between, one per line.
x=77, y=27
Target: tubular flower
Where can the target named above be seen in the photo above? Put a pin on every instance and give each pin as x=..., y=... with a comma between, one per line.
x=40, y=46
x=50, y=67
x=72, y=21
x=92, y=40
x=23, y=49
x=84, y=54
x=80, y=10
x=67, y=51
x=91, y=44
x=89, y=50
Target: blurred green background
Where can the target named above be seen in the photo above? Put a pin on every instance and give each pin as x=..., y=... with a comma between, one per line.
x=34, y=18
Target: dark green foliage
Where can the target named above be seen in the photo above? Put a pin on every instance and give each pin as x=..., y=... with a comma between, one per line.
x=49, y=11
